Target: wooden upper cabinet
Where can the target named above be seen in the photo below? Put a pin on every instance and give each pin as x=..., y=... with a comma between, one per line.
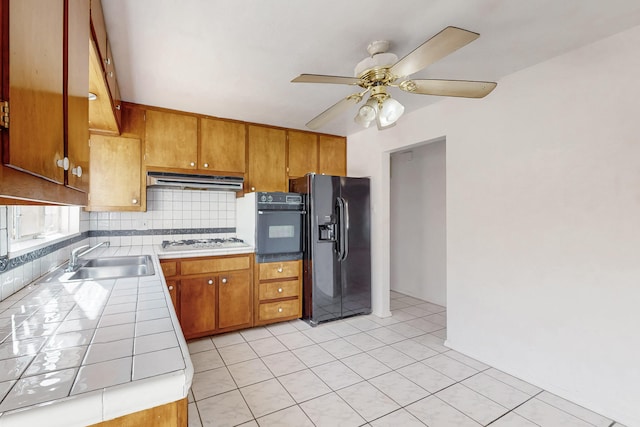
x=36, y=139
x=267, y=156
x=116, y=174
x=332, y=155
x=105, y=111
x=112, y=83
x=222, y=145
x=171, y=140
x=133, y=121
x=99, y=28
x=77, y=89
x=303, y=153
x=101, y=116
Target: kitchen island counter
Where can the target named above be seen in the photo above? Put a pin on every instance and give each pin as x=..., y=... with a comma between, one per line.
x=78, y=353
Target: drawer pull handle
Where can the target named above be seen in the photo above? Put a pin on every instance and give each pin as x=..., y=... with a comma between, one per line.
x=279, y=269
x=170, y=288
x=210, y=282
x=279, y=309
x=224, y=280
x=280, y=290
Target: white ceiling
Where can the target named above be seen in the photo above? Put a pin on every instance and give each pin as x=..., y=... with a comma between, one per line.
x=236, y=58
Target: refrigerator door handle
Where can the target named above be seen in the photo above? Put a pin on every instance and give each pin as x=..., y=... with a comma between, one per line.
x=339, y=212
x=343, y=228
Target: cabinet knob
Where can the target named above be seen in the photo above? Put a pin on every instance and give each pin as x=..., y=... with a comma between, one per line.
x=206, y=165
x=111, y=74
x=63, y=163
x=224, y=280
x=279, y=269
x=118, y=107
x=280, y=290
x=279, y=309
x=107, y=61
x=170, y=288
x=253, y=188
x=192, y=164
x=134, y=201
x=77, y=171
x=210, y=281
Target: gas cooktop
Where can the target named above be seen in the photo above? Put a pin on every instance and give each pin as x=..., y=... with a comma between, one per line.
x=193, y=244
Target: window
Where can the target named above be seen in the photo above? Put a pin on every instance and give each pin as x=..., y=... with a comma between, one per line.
x=33, y=225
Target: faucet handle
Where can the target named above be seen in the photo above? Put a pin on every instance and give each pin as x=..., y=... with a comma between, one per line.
x=78, y=249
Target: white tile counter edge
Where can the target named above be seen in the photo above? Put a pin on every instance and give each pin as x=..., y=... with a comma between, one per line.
x=112, y=402
x=168, y=254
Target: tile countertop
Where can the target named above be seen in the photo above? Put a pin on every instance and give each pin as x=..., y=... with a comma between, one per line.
x=78, y=353
x=166, y=254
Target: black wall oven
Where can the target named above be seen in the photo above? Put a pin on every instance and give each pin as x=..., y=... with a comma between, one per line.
x=279, y=226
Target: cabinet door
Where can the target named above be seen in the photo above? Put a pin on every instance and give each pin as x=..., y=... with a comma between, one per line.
x=234, y=299
x=112, y=83
x=267, y=149
x=171, y=140
x=172, y=285
x=303, y=153
x=36, y=136
x=101, y=115
x=333, y=155
x=222, y=146
x=77, y=89
x=97, y=20
x=197, y=306
x=116, y=169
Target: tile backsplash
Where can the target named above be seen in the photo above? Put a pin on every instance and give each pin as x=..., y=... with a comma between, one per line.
x=171, y=215
x=17, y=272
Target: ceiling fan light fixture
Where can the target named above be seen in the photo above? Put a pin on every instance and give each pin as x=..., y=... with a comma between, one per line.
x=390, y=112
x=367, y=113
x=362, y=121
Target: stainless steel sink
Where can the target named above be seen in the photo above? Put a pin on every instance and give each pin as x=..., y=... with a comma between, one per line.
x=114, y=267
x=119, y=261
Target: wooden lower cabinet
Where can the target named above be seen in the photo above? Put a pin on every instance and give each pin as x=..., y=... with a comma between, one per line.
x=234, y=296
x=172, y=285
x=198, y=304
x=172, y=414
x=278, y=293
x=212, y=294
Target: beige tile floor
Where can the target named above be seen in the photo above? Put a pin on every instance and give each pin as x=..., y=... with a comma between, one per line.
x=367, y=371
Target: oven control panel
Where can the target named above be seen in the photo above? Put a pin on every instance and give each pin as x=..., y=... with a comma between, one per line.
x=279, y=200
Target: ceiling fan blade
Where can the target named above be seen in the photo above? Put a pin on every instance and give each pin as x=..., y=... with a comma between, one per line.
x=437, y=47
x=335, y=110
x=318, y=78
x=461, y=88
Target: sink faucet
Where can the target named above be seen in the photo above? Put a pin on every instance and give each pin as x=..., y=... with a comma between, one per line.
x=78, y=252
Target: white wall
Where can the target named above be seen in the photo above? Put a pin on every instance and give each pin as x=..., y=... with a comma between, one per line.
x=418, y=222
x=543, y=222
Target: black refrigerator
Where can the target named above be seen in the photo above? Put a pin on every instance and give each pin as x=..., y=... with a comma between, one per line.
x=336, y=245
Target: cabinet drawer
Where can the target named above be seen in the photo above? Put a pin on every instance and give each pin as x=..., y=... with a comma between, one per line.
x=276, y=310
x=279, y=270
x=274, y=290
x=169, y=268
x=214, y=265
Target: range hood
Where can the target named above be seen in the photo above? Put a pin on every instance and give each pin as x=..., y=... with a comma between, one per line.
x=194, y=182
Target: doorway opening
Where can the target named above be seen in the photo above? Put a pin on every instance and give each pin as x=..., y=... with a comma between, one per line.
x=418, y=239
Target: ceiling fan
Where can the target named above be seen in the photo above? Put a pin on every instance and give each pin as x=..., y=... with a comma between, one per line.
x=382, y=70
